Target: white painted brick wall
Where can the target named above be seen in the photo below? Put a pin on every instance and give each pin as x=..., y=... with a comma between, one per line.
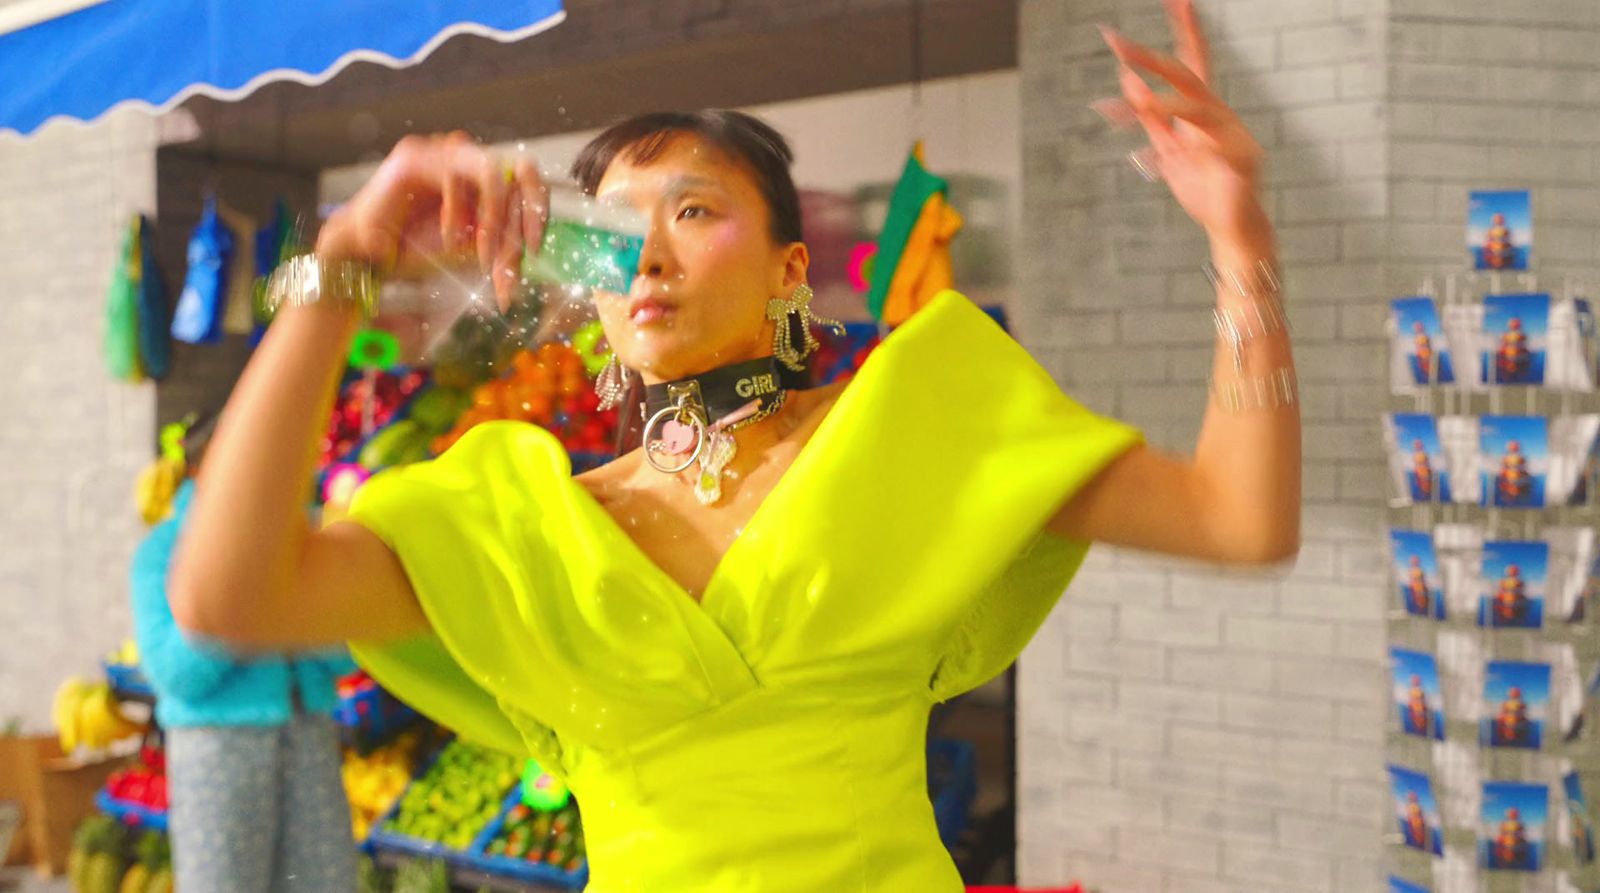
x=72, y=440
x=1234, y=799
x=1245, y=736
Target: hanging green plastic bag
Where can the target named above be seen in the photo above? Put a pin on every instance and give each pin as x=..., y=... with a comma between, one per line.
x=155, y=345
x=198, y=319
x=121, y=345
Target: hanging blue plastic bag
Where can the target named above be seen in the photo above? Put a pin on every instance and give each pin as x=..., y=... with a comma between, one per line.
x=198, y=319
x=155, y=345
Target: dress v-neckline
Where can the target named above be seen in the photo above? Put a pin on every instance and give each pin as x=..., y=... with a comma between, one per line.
x=718, y=579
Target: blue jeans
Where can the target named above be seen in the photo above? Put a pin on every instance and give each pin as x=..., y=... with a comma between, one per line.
x=259, y=809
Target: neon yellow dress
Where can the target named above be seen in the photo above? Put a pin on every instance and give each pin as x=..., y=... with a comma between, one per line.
x=770, y=738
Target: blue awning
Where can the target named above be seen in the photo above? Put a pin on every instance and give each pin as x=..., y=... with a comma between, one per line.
x=156, y=53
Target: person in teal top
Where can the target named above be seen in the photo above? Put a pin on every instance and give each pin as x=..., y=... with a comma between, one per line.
x=728, y=640
x=257, y=804
x=203, y=684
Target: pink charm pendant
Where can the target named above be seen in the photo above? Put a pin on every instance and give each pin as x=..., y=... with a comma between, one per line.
x=677, y=438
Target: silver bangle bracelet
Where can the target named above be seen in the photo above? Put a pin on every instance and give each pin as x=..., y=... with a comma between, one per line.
x=1272, y=391
x=1261, y=314
x=306, y=279
x=1258, y=282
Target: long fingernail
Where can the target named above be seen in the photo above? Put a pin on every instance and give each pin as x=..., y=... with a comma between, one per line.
x=1144, y=161
x=1112, y=36
x=1131, y=81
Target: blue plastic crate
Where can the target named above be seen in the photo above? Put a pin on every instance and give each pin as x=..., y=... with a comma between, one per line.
x=130, y=813
x=520, y=869
x=379, y=839
x=373, y=717
x=952, y=785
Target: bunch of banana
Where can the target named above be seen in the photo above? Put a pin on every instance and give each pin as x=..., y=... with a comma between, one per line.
x=86, y=715
x=152, y=872
x=156, y=486
x=97, y=860
x=373, y=782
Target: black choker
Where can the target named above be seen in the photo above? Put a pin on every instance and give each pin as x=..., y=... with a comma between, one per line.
x=727, y=390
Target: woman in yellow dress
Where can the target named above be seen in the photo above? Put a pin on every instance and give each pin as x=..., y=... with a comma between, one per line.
x=733, y=664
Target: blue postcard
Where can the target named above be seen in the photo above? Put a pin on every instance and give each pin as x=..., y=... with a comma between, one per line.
x=1511, y=836
x=1416, y=569
x=1516, y=332
x=1427, y=479
x=1416, y=810
x=1515, y=573
x=1401, y=885
x=1500, y=229
x=1515, y=451
x=1580, y=827
x=1416, y=693
x=1427, y=351
x=1516, y=704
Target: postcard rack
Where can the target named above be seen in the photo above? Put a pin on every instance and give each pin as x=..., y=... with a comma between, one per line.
x=1491, y=438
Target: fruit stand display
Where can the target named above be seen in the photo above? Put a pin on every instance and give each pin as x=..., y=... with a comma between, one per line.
x=109, y=857
x=485, y=369
x=466, y=810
